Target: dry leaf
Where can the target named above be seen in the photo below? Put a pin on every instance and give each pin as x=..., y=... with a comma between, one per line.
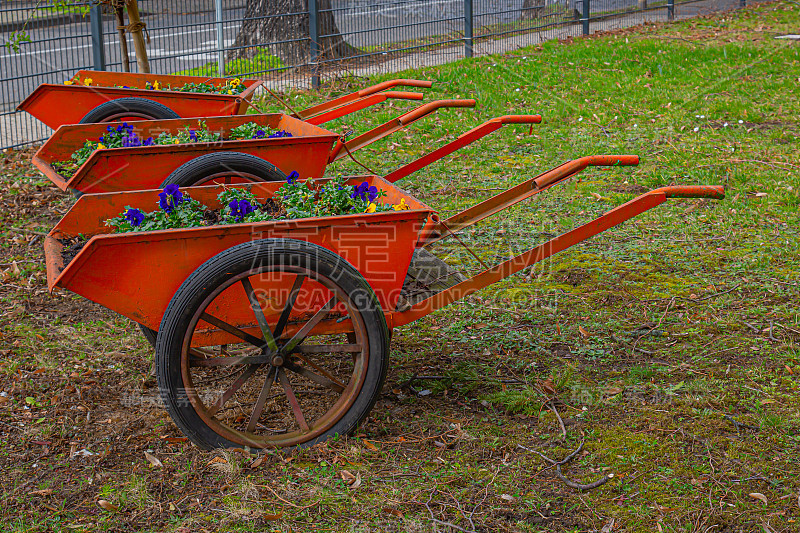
x=357, y=482
x=507, y=497
x=43, y=492
x=153, y=460
x=394, y=512
x=257, y=462
x=216, y=460
x=277, y=516
x=759, y=496
x=760, y=194
x=548, y=386
x=347, y=477
x=611, y=391
x=369, y=445
x=108, y=506
x=585, y=334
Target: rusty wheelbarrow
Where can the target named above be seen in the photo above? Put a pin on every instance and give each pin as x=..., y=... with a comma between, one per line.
x=118, y=96
x=276, y=334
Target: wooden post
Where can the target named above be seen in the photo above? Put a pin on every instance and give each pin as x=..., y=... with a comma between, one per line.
x=138, y=36
x=123, y=39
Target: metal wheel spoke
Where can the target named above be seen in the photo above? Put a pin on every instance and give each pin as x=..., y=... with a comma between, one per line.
x=306, y=329
x=328, y=348
x=259, y=313
x=258, y=408
x=287, y=388
x=228, y=361
x=321, y=370
x=233, y=330
x=228, y=394
x=287, y=310
x=316, y=378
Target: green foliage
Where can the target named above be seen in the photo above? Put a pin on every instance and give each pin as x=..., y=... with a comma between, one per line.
x=15, y=39
x=251, y=130
x=303, y=199
x=262, y=62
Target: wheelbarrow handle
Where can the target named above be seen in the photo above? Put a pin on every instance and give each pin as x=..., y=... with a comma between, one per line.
x=715, y=192
x=341, y=149
x=425, y=84
x=462, y=140
x=324, y=107
x=430, y=107
x=360, y=104
x=571, y=168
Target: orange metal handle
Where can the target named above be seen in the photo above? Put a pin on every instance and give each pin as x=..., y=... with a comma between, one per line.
x=573, y=167
x=423, y=110
x=404, y=95
x=715, y=192
x=394, y=83
x=520, y=119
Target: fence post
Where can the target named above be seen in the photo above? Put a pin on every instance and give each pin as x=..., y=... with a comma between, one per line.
x=220, y=40
x=670, y=9
x=468, y=29
x=742, y=3
x=313, y=35
x=98, y=50
x=585, y=19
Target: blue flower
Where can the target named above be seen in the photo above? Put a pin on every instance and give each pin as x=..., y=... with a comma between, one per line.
x=280, y=133
x=240, y=209
x=134, y=217
x=193, y=135
x=170, y=198
x=292, y=178
x=148, y=142
x=259, y=134
x=365, y=192
x=110, y=129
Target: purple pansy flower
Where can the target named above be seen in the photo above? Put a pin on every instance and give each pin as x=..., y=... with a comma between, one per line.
x=292, y=178
x=280, y=133
x=170, y=198
x=134, y=217
x=193, y=135
x=365, y=192
x=241, y=208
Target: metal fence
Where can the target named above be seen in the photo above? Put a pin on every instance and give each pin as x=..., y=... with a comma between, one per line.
x=325, y=40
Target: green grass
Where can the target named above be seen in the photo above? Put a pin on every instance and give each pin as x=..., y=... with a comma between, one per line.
x=676, y=307
x=261, y=62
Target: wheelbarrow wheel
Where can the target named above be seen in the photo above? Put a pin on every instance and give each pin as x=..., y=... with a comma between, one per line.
x=317, y=374
x=224, y=167
x=128, y=109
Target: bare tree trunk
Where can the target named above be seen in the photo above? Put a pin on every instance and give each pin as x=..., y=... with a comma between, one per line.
x=137, y=34
x=123, y=39
x=532, y=9
x=282, y=27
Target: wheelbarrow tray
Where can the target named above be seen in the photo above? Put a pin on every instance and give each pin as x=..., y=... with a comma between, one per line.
x=146, y=167
x=56, y=104
x=136, y=274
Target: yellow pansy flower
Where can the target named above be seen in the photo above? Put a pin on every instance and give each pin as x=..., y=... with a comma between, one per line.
x=68, y=82
x=236, y=81
x=402, y=206
x=87, y=81
x=230, y=92
x=371, y=208
x=176, y=141
x=100, y=146
x=157, y=86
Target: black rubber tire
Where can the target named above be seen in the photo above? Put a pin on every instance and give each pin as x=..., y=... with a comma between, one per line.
x=141, y=106
x=201, y=168
x=216, y=274
x=149, y=334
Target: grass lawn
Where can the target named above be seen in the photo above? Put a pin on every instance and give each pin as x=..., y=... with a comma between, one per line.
x=669, y=345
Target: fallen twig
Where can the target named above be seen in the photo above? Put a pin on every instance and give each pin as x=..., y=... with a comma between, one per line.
x=738, y=424
x=567, y=459
x=29, y=231
x=558, y=416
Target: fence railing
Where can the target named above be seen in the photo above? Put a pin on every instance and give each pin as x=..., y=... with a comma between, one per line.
x=330, y=39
